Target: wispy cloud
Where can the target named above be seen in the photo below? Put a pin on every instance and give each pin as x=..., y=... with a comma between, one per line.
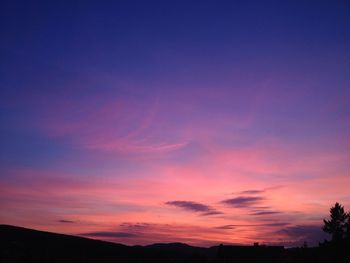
x=128, y=146
x=263, y=212
x=252, y=192
x=267, y=225
x=244, y=201
x=108, y=234
x=114, y=124
x=195, y=207
x=66, y=221
x=191, y=206
x=254, y=203
x=226, y=227
x=211, y=213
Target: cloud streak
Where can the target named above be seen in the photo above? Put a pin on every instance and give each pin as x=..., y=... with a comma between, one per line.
x=107, y=234
x=205, y=210
x=263, y=213
x=252, y=192
x=66, y=221
x=243, y=201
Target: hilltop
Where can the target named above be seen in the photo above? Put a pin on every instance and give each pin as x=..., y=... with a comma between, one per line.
x=18, y=244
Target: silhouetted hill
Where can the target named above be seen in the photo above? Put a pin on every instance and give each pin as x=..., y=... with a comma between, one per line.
x=19, y=244
x=26, y=245
x=184, y=249
x=173, y=246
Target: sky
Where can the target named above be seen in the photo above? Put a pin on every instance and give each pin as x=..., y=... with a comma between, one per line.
x=202, y=122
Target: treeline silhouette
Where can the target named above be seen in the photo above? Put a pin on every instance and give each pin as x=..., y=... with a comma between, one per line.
x=25, y=245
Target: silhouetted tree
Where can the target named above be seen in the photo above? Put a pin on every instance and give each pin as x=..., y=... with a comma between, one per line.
x=347, y=227
x=336, y=226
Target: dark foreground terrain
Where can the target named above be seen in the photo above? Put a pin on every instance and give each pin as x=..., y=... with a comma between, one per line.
x=25, y=245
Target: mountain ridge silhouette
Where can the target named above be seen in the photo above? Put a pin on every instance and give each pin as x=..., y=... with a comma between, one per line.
x=24, y=245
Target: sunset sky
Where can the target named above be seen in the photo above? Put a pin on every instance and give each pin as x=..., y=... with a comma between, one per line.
x=202, y=122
